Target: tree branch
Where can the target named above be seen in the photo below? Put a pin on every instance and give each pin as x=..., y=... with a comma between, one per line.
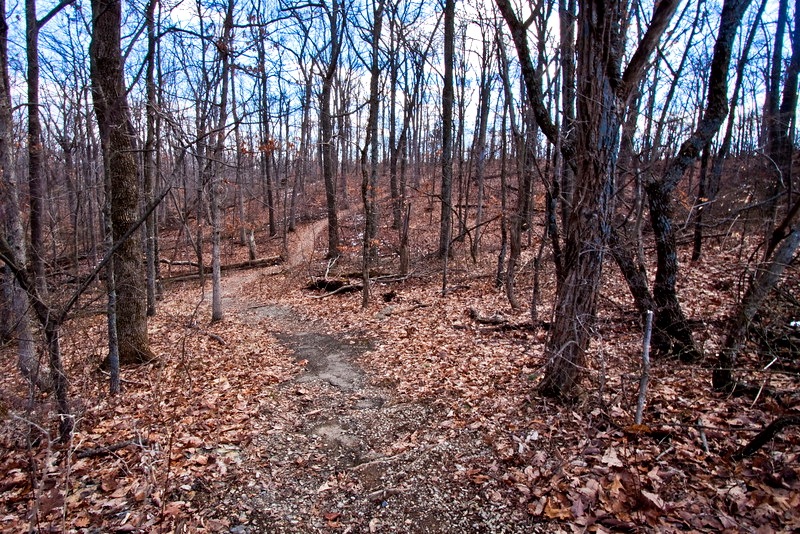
x=636, y=67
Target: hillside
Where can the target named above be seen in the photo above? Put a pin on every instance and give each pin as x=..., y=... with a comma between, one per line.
x=303, y=412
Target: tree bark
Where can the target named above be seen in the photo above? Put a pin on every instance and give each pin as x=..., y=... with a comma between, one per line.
x=599, y=56
x=150, y=147
x=35, y=185
x=671, y=331
x=326, y=127
x=567, y=13
x=603, y=91
x=117, y=139
x=756, y=293
x=225, y=49
x=445, y=219
x=369, y=155
x=780, y=145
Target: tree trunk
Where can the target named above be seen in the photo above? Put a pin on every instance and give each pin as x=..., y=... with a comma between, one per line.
x=603, y=91
x=700, y=205
x=511, y=227
x=725, y=146
x=149, y=158
x=19, y=321
x=479, y=143
x=225, y=49
x=671, y=332
x=116, y=134
x=445, y=219
x=369, y=165
x=588, y=225
x=394, y=148
x=35, y=183
x=780, y=145
x=326, y=129
x=567, y=13
x=756, y=293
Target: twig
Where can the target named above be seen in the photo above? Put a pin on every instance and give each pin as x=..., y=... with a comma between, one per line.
x=648, y=329
x=764, y=383
x=669, y=450
x=213, y=336
x=108, y=449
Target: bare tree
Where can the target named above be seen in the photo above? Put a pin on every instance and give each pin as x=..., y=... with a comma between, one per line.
x=214, y=164
x=603, y=90
x=479, y=154
x=19, y=321
x=670, y=321
x=783, y=240
x=445, y=220
x=117, y=139
x=151, y=146
x=707, y=192
x=369, y=152
x=336, y=24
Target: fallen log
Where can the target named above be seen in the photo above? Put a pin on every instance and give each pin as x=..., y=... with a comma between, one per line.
x=250, y=264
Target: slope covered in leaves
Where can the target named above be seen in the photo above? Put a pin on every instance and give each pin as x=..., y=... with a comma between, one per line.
x=437, y=429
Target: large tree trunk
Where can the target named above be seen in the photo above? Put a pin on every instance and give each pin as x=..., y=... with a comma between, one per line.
x=116, y=134
x=588, y=225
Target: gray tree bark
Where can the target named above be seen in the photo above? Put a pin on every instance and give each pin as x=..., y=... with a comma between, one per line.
x=117, y=140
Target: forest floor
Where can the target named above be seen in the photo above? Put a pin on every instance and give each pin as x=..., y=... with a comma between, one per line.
x=301, y=411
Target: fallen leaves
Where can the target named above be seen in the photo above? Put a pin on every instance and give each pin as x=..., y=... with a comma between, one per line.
x=200, y=421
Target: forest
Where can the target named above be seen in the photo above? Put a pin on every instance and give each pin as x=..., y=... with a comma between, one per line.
x=399, y=266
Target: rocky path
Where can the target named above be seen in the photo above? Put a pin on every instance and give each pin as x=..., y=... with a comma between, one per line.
x=338, y=453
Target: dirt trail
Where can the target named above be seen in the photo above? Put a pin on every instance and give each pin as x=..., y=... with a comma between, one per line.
x=345, y=454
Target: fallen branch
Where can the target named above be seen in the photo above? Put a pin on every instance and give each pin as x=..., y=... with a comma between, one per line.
x=349, y=288
x=766, y=435
x=109, y=449
x=250, y=264
x=213, y=336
